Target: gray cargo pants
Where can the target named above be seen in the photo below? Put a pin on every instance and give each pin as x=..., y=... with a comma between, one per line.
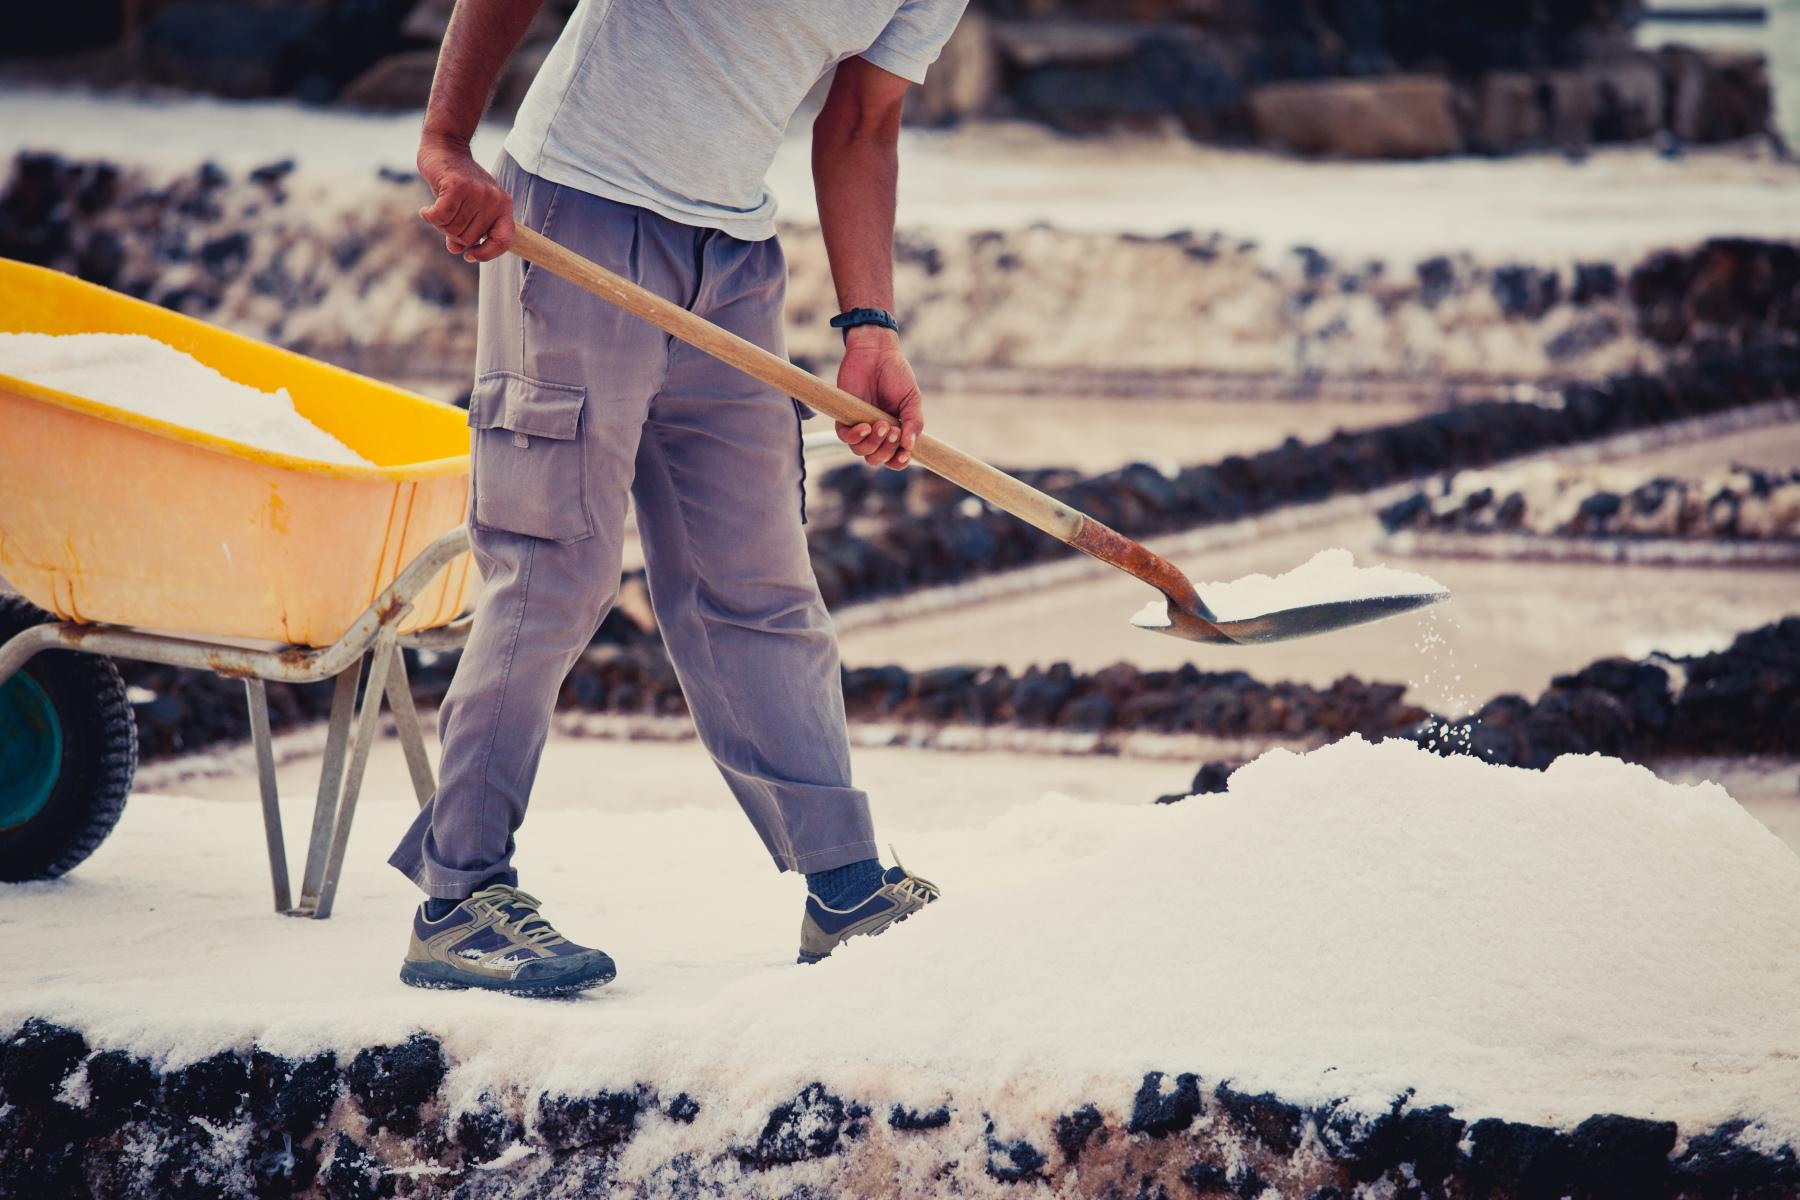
x=576, y=405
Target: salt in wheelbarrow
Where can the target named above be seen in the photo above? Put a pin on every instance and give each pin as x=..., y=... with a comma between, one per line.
x=1188, y=616
x=134, y=538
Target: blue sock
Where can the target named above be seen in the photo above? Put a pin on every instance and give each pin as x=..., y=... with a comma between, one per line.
x=439, y=907
x=845, y=886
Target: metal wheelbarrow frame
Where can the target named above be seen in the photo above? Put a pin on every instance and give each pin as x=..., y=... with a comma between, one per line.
x=351, y=729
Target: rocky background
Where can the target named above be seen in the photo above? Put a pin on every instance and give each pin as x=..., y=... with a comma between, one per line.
x=1739, y=503
x=1354, y=78
x=341, y=269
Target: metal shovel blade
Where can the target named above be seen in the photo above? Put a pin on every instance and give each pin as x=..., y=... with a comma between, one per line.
x=1287, y=623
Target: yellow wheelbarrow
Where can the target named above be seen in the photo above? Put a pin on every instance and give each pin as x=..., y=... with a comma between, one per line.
x=130, y=537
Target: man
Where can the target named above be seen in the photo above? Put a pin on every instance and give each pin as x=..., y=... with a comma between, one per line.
x=643, y=144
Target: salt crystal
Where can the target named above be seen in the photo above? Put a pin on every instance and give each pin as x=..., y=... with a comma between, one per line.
x=145, y=376
x=1328, y=575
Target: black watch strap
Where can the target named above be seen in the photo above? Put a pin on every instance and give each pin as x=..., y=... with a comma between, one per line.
x=847, y=321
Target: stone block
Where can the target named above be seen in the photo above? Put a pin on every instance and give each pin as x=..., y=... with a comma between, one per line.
x=1503, y=113
x=1619, y=101
x=396, y=83
x=1715, y=96
x=1397, y=116
x=963, y=80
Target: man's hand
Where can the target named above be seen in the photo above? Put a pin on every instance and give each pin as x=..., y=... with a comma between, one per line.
x=875, y=370
x=473, y=212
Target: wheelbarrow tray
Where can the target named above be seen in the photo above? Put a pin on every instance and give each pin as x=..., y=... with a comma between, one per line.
x=113, y=517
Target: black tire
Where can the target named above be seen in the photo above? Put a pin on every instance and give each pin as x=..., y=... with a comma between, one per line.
x=92, y=775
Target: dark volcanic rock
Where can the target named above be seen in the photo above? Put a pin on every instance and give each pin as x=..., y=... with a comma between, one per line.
x=1720, y=1163
x=1621, y=1156
x=225, y=256
x=282, y=1166
x=1270, y=1120
x=1039, y=696
x=1526, y=292
x=1508, y=1158
x=36, y=1059
x=305, y=1096
x=1745, y=699
x=390, y=1083
x=604, y=1119
x=1015, y=1161
x=912, y=1120
x=121, y=1087
x=41, y=1150
x=1160, y=1113
x=213, y=1089
x=353, y=1174
x=1087, y=714
x=1742, y=700
x=813, y=1124
x=486, y=1130
x=1209, y=1179
x=1074, y=1130
x=1426, y=1141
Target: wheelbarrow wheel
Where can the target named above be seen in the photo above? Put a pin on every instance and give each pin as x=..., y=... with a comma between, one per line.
x=68, y=750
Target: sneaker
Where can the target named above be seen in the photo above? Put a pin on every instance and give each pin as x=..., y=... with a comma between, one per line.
x=497, y=940
x=900, y=895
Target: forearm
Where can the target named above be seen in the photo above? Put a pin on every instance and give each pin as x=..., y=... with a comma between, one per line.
x=481, y=36
x=856, y=166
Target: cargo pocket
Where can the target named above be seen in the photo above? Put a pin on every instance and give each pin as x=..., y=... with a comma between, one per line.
x=529, y=473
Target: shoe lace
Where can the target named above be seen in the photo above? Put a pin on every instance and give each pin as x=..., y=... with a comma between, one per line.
x=527, y=923
x=913, y=886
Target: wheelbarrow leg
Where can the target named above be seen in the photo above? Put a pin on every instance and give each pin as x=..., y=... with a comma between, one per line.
x=331, y=778
x=406, y=724
x=368, y=728
x=258, y=697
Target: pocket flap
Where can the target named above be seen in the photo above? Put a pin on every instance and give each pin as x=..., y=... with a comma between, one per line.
x=507, y=400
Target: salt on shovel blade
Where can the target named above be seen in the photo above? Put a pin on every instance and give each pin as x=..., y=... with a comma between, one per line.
x=1288, y=623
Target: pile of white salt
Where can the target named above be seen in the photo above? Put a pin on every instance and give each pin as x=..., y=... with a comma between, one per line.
x=145, y=376
x=1326, y=576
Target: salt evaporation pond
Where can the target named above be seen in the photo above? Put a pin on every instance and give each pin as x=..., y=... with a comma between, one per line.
x=142, y=375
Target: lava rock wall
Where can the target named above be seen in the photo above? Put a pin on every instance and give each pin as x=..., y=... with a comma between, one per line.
x=1743, y=700
x=1741, y=503
x=340, y=267
x=946, y=545
x=1739, y=701
x=81, y=1122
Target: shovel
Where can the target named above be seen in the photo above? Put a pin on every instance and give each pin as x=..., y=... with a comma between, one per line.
x=1189, y=618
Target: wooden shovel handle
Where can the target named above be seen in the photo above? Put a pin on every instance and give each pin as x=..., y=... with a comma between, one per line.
x=991, y=484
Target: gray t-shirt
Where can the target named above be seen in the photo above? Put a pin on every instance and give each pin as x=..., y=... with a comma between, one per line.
x=678, y=106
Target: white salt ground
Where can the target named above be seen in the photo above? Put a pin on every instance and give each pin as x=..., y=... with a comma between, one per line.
x=143, y=375
x=1353, y=922
x=1326, y=576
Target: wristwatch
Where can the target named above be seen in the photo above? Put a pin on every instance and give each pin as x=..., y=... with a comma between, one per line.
x=847, y=321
